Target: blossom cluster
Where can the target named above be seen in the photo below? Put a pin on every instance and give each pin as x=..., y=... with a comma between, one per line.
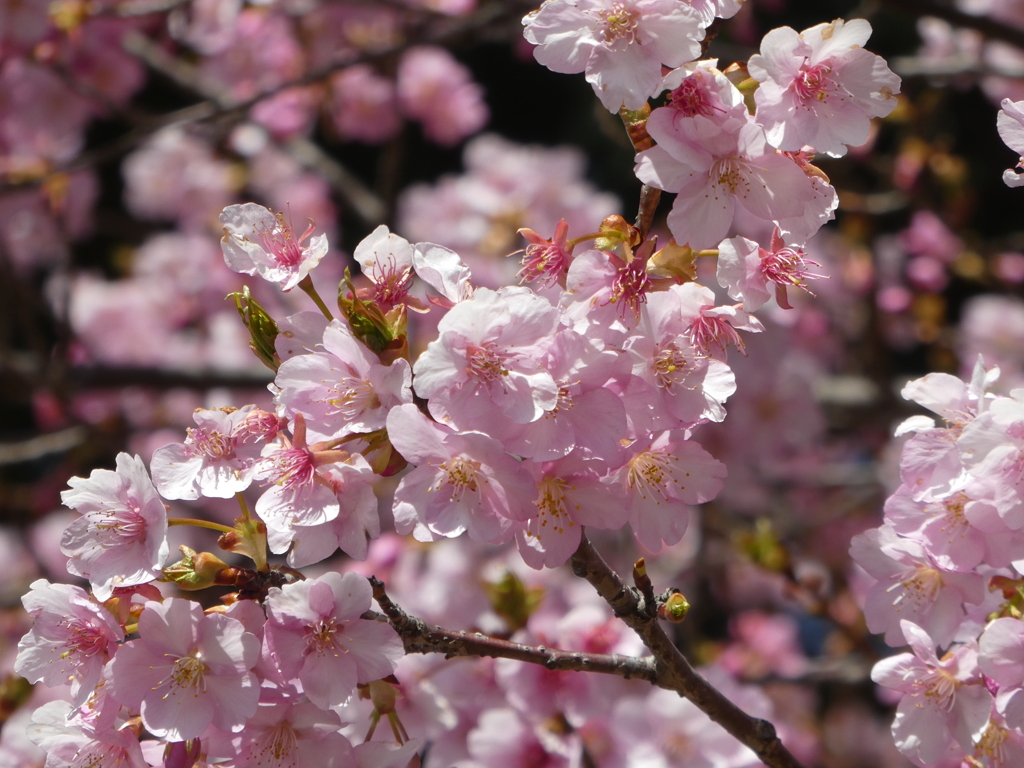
x=511, y=414
x=944, y=573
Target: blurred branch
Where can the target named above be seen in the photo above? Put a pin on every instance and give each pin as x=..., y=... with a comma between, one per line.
x=991, y=28
x=115, y=378
x=914, y=66
x=43, y=445
x=307, y=154
x=420, y=637
x=142, y=7
x=217, y=104
x=673, y=670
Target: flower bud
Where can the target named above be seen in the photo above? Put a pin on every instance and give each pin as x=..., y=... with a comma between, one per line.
x=262, y=328
x=675, y=608
x=615, y=230
x=249, y=538
x=384, y=335
x=195, y=570
x=635, y=122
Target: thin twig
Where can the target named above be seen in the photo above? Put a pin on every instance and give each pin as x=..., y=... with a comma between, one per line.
x=420, y=637
x=673, y=670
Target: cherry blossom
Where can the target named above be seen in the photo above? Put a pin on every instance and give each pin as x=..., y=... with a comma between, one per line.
x=486, y=359
x=314, y=635
x=820, y=87
x=285, y=731
x=462, y=482
x=1010, y=122
x=570, y=494
x=72, y=638
x=386, y=259
x=664, y=475
x=216, y=459
x=120, y=540
x=187, y=670
x=440, y=93
x=56, y=729
x=621, y=44
x=911, y=586
x=341, y=388
x=945, y=706
x=257, y=242
x=713, y=173
x=745, y=270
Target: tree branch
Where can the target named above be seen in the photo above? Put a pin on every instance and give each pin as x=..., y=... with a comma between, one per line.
x=443, y=31
x=420, y=637
x=673, y=670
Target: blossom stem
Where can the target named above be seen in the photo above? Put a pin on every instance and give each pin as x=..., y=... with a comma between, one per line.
x=570, y=244
x=245, y=507
x=306, y=284
x=707, y=253
x=198, y=524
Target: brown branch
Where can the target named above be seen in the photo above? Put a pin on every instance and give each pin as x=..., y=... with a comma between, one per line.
x=673, y=670
x=420, y=637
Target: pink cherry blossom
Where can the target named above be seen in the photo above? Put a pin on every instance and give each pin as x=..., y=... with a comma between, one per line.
x=665, y=474
x=673, y=382
x=545, y=261
x=589, y=416
x=945, y=706
x=386, y=259
x=505, y=737
x=314, y=635
x=120, y=540
x=461, y=482
x=570, y=494
x=364, y=105
x=440, y=93
x=305, y=482
x=443, y=270
x=710, y=9
x=285, y=732
x=1010, y=122
x=992, y=451
x=67, y=742
x=820, y=87
x=910, y=585
x=310, y=538
x=216, y=459
x=187, y=670
x=487, y=358
x=621, y=44
x=257, y=242
x=341, y=388
x=1001, y=657
x=714, y=171
x=713, y=329
x=745, y=270
x=939, y=524
x=71, y=639
x=703, y=98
